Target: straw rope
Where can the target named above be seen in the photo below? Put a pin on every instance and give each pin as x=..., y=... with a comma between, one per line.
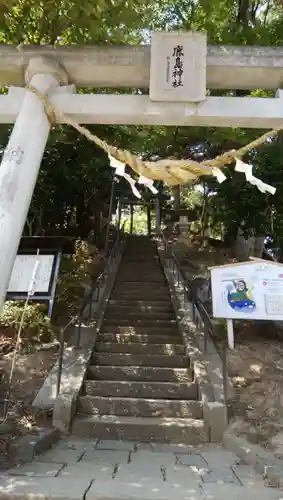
x=170, y=171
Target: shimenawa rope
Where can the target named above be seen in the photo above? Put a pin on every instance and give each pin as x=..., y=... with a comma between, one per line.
x=172, y=172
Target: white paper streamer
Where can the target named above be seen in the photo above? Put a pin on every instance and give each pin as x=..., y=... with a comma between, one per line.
x=120, y=170
x=148, y=183
x=219, y=175
x=132, y=183
x=248, y=171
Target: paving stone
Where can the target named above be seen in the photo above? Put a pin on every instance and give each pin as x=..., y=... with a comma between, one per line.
x=43, y=488
x=161, y=459
x=192, y=460
x=36, y=469
x=172, y=448
x=117, y=445
x=88, y=470
x=106, y=456
x=141, y=489
x=218, y=457
x=144, y=471
x=61, y=456
x=79, y=445
x=219, y=475
x=234, y=492
x=182, y=476
x=247, y=476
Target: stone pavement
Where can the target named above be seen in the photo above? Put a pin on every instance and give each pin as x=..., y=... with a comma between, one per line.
x=112, y=470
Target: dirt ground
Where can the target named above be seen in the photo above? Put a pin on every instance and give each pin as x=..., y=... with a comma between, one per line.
x=255, y=367
x=30, y=370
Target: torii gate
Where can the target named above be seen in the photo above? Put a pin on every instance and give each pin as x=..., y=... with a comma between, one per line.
x=177, y=69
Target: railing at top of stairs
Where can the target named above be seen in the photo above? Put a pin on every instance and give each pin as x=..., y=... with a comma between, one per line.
x=88, y=300
x=201, y=316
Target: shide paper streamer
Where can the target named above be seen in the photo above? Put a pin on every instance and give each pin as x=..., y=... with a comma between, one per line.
x=120, y=170
x=248, y=171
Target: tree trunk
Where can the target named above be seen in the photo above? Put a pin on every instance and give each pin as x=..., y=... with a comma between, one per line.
x=241, y=247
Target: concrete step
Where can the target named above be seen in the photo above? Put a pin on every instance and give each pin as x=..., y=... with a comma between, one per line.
x=133, y=322
x=134, y=315
x=155, y=390
x=137, y=329
x=140, y=407
x=140, y=373
x=139, y=348
x=130, y=338
x=139, y=429
x=132, y=359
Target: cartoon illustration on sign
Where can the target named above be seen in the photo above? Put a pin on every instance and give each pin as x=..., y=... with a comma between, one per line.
x=239, y=296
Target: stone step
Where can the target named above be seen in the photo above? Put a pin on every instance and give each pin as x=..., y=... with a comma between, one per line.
x=130, y=338
x=154, y=304
x=132, y=322
x=138, y=271
x=134, y=273
x=137, y=329
x=140, y=407
x=140, y=373
x=144, y=308
x=139, y=429
x=155, y=390
x=141, y=293
x=140, y=284
x=132, y=359
x=139, y=348
x=133, y=298
x=140, y=281
x=137, y=315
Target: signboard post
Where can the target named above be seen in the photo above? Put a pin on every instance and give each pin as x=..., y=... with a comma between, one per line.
x=250, y=290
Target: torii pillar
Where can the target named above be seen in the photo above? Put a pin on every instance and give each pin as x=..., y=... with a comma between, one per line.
x=21, y=162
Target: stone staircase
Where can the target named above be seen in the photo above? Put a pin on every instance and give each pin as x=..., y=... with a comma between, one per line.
x=140, y=386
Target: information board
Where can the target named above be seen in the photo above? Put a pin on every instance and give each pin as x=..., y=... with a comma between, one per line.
x=35, y=276
x=249, y=290
x=23, y=270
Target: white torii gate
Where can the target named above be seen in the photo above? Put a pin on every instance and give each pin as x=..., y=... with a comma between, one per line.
x=177, y=68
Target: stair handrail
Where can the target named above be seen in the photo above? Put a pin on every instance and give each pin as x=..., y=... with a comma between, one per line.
x=88, y=299
x=200, y=313
x=199, y=310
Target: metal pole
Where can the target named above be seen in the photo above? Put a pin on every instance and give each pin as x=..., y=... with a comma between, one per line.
x=157, y=215
x=60, y=362
x=21, y=163
x=225, y=375
x=148, y=220
x=119, y=215
x=109, y=216
x=132, y=218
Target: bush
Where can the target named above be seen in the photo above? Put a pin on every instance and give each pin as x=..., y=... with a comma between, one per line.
x=37, y=327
